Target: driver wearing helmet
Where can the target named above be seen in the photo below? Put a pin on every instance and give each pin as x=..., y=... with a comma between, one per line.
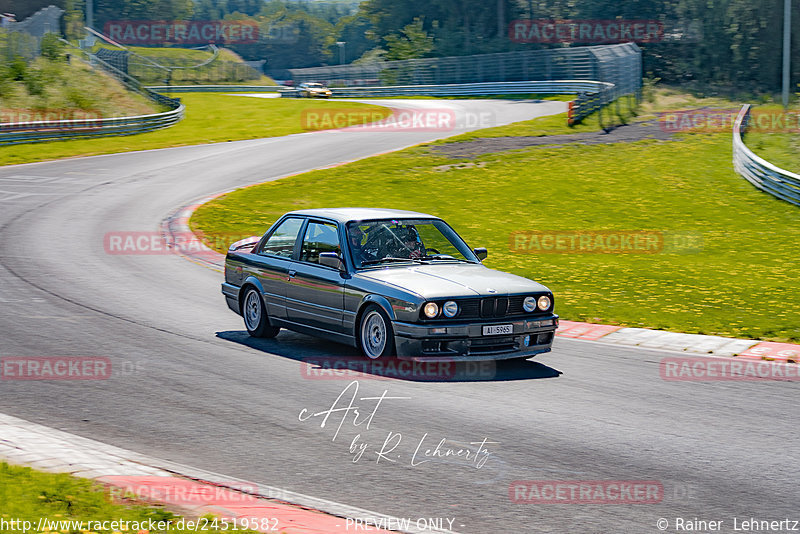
x=412, y=244
x=355, y=236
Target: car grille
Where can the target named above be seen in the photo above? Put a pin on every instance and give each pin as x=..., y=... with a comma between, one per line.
x=492, y=307
x=493, y=344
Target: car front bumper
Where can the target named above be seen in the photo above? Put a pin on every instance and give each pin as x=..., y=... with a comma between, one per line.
x=466, y=342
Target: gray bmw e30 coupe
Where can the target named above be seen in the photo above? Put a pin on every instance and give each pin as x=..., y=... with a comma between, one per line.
x=389, y=282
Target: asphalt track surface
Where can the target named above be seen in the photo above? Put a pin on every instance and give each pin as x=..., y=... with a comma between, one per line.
x=189, y=385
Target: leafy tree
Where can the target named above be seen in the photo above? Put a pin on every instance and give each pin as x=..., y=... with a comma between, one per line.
x=52, y=47
x=413, y=43
x=248, y=7
x=210, y=9
x=73, y=19
x=108, y=10
x=356, y=31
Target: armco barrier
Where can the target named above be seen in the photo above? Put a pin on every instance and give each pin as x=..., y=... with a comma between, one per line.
x=592, y=95
x=617, y=65
x=60, y=130
x=466, y=89
x=759, y=172
x=216, y=88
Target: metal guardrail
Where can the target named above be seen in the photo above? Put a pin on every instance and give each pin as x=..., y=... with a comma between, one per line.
x=580, y=62
x=589, y=102
x=619, y=66
x=15, y=133
x=464, y=89
x=216, y=88
x=60, y=130
x=759, y=172
x=592, y=95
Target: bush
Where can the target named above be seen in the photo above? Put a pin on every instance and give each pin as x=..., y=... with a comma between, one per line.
x=5, y=80
x=18, y=69
x=34, y=81
x=52, y=47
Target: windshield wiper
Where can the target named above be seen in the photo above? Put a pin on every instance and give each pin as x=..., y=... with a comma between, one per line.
x=445, y=257
x=390, y=258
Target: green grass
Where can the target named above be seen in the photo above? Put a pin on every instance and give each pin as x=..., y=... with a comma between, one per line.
x=210, y=118
x=781, y=149
x=738, y=279
x=778, y=142
x=28, y=495
x=532, y=96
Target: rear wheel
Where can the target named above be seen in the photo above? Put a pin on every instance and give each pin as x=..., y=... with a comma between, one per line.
x=375, y=334
x=255, y=315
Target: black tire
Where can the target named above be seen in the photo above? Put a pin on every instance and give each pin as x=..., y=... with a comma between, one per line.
x=255, y=315
x=375, y=334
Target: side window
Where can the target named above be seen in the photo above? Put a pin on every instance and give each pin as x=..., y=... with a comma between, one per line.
x=282, y=240
x=320, y=237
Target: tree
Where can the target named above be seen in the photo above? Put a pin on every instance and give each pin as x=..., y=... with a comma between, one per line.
x=108, y=10
x=356, y=31
x=413, y=43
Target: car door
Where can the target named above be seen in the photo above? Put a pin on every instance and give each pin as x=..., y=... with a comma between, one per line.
x=315, y=293
x=272, y=262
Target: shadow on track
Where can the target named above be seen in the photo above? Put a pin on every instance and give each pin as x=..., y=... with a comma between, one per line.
x=327, y=360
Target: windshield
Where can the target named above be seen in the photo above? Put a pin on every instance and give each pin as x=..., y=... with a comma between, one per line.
x=399, y=241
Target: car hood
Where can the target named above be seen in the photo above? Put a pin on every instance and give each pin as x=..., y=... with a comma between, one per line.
x=444, y=280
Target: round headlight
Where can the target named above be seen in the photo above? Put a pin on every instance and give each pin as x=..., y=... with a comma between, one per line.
x=431, y=310
x=529, y=304
x=450, y=308
x=544, y=303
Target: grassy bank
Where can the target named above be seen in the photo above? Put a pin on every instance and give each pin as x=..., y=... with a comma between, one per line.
x=210, y=118
x=45, y=85
x=728, y=266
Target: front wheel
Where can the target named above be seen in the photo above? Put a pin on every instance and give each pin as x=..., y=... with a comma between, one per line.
x=255, y=315
x=376, y=337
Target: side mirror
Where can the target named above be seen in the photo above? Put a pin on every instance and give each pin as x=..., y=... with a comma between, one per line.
x=481, y=252
x=331, y=259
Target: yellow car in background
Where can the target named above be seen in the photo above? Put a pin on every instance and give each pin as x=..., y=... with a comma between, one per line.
x=313, y=90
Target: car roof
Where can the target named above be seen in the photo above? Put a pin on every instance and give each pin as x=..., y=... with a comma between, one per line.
x=344, y=215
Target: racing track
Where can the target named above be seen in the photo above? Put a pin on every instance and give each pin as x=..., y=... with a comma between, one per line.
x=198, y=392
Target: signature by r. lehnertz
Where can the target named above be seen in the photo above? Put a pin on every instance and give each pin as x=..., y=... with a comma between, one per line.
x=348, y=411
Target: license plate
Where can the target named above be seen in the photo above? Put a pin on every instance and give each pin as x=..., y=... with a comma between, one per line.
x=497, y=329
